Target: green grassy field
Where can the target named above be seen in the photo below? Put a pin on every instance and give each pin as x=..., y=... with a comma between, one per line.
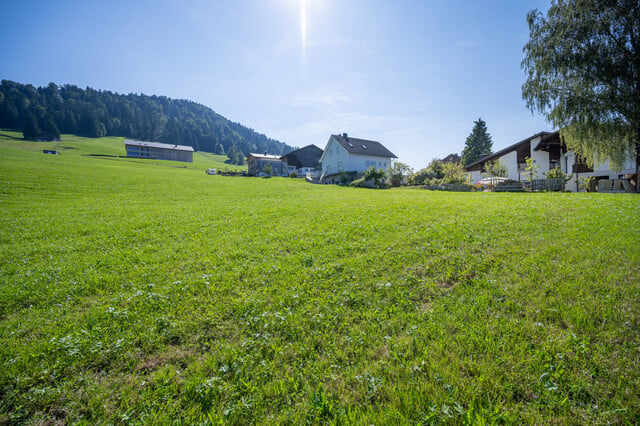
x=145, y=292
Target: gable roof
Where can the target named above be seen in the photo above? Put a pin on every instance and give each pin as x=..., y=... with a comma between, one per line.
x=451, y=158
x=308, y=156
x=524, y=144
x=158, y=145
x=363, y=146
x=550, y=141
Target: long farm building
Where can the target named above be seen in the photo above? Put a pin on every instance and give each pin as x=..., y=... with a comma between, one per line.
x=158, y=151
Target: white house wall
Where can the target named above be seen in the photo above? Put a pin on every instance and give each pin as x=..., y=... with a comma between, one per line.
x=360, y=163
x=628, y=167
x=337, y=159
x=510, y=161
x=474, y=176
x=601, y=170
x=540, y=158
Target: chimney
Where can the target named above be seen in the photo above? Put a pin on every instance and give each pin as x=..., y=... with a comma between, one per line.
x=346, y=136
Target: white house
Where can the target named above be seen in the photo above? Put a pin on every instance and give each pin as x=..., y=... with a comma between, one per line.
x=345, y=154
x=548, y=151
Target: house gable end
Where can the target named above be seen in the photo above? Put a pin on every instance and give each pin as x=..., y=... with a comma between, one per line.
x=332, y=144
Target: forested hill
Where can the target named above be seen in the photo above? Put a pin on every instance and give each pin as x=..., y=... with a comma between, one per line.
x=45, y=112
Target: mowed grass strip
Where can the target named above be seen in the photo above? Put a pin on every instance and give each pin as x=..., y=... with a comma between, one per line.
x=134, y=291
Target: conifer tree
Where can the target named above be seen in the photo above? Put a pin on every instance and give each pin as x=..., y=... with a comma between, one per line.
x=478, y=143
x=30, y=130
x=49, y=127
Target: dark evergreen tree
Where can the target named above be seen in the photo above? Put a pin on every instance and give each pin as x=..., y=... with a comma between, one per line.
x=9, y=115
x=30, y=131
x=478, y=143
x=49, y=129
x=235, y=156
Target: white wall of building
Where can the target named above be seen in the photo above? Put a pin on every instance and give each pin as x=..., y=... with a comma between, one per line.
x=510, y=161
x=474, y=177
x=601, y=170
x=540, y=158
x=360, y=163
x=337, y=159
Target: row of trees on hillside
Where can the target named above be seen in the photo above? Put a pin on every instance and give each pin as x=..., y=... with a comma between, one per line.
x=45, y=112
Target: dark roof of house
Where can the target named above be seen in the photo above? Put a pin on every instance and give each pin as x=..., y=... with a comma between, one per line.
x=308, y=156
x=363, y=146
x=497, y=154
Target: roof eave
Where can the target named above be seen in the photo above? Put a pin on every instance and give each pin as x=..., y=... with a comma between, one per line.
x=508, y=149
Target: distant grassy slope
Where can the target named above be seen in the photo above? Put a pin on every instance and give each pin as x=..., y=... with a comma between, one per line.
x=75, y=146
x=131, y=292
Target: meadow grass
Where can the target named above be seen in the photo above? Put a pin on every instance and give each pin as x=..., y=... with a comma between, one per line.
x=139, y=291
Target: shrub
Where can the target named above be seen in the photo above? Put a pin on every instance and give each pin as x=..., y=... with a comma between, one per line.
x=378, y=176
x=293, y=175
x=343, y=179
x=532, y=169
x=495, y=169
x=434, y=170
x=397, y=173
x=586, y=184
x=453, y=173
x=557, y=174
x=358, y=183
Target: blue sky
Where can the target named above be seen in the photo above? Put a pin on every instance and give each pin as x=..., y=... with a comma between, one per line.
x=411, y=74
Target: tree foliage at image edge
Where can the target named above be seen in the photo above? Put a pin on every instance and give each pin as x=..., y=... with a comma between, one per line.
x=583, y=73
